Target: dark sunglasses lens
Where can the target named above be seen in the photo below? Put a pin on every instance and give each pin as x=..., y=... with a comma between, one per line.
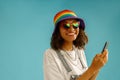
x=66, y=26
x=75, y=25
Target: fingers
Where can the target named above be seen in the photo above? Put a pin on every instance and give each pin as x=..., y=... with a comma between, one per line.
x=97, y=56
x=103, y=57
x=100, y=60
x=104, y=54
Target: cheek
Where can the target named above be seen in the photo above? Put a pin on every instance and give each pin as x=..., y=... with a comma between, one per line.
x=62, y=31
x=77, y=31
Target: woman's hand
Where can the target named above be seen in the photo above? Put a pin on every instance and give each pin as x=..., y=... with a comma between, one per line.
x=99, y=60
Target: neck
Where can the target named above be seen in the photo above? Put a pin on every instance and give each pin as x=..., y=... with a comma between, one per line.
x=67, y=46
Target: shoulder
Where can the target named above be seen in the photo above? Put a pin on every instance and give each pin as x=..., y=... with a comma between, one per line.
x=50, y=53
x=49, y=50
x=50, y=57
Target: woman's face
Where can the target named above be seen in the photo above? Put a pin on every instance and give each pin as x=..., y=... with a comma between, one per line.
x=69, y=29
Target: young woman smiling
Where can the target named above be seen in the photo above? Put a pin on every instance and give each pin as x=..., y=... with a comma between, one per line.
x=66, y=60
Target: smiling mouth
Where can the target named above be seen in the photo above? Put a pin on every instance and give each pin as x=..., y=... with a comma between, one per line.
x=71, y=34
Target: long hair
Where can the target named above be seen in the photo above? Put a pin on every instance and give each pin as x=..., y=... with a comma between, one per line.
x=57, y=41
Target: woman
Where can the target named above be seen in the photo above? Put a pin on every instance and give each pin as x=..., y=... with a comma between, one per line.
x=65, y=60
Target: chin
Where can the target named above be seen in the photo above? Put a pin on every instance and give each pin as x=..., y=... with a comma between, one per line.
x=71, y=40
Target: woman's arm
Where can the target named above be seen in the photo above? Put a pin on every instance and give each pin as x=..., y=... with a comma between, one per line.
x=98, y=62
x=87, y=75
x=94, y=76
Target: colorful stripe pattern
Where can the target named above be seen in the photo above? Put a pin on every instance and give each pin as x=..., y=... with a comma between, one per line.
x=63, y=15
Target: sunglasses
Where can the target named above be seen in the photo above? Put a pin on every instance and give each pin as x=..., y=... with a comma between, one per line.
x=75, y=25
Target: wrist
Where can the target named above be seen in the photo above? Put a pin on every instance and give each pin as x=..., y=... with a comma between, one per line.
x=92, y=70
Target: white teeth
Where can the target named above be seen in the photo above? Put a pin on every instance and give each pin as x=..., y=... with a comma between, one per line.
x=70, y=34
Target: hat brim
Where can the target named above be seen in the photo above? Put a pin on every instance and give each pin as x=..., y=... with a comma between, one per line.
x=82, y=24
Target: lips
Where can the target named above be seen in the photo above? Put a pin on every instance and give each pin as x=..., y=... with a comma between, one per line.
x=71, y=34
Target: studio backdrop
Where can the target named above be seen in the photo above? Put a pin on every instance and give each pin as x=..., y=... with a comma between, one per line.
x=26, y=27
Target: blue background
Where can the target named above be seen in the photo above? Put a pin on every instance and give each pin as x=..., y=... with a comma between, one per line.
x=26, y=27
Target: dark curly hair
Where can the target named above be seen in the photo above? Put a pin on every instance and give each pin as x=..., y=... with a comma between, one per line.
x=57, y=40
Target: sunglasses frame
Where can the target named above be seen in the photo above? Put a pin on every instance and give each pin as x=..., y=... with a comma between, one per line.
x=75, y=25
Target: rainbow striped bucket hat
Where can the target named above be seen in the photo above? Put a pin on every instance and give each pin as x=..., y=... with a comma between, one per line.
x=67, y=14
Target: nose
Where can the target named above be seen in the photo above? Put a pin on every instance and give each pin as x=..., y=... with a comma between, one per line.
x=71, y=28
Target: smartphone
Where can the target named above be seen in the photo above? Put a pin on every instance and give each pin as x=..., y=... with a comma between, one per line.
x=105, y=46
